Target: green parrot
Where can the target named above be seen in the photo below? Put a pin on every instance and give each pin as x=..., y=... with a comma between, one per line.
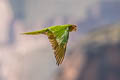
x=58, y=37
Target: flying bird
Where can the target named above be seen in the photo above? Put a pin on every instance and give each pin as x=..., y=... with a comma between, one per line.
x=58, y=37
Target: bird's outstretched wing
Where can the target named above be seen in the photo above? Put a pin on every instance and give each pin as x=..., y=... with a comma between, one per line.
x=58, y=38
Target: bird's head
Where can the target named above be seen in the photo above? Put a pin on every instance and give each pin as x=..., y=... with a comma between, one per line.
x=73, y=28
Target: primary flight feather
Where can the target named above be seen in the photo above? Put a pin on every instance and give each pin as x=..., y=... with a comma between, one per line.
x=58, y=37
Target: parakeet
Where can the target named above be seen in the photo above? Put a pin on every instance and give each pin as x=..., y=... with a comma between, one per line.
x=58, y=37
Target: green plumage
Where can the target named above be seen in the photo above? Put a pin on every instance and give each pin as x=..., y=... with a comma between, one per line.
x=58, y=37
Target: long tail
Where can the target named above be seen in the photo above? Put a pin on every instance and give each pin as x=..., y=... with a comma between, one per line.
x=35, y=32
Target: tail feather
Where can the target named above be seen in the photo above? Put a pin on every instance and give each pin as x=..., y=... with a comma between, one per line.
x=35, y=32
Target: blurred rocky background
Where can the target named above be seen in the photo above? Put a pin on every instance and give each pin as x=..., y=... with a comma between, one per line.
x=92, y=51
x=95, y=57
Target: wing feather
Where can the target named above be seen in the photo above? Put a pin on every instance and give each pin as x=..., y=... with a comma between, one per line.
x=58, y=43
